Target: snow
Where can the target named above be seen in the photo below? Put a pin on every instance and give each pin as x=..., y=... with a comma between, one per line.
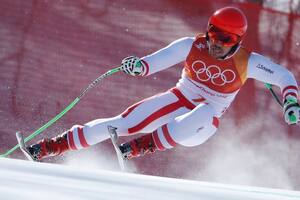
x=21, y=179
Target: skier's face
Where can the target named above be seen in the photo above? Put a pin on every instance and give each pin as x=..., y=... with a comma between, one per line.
x=220, y=42
x=217, y=50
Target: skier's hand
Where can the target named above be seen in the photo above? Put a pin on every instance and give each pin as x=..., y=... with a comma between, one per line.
x=133, y=65
x=291, y=110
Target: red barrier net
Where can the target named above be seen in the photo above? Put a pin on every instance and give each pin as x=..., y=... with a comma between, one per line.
x=51, y=50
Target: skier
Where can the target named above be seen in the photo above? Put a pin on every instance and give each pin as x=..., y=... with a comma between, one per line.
x=216, y=67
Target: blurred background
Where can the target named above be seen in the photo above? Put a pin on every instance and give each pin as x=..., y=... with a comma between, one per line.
x=51, y=50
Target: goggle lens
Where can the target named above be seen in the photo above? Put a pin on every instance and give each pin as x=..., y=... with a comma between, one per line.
x=227, y=39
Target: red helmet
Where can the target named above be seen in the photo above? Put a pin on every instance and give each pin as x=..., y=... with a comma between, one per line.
x=229, y=19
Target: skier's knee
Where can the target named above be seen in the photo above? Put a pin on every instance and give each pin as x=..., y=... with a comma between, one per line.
x=75, y=127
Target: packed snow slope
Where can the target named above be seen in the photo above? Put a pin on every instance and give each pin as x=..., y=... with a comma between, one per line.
x=30, y=180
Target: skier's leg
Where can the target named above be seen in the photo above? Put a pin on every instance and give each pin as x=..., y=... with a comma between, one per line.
x=190, y=129
x=143, y=117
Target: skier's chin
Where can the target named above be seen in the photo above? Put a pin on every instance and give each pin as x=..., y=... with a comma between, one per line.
x=216, y=54
x=216, y=51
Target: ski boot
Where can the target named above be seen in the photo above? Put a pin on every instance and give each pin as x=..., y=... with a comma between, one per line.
x=138, y=147
x=48, y=147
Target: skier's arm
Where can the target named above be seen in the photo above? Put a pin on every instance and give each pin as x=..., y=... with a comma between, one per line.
x=168, y=56
x=164, y=58
x=263, y=69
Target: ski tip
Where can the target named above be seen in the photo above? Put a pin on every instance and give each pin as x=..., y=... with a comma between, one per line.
x=22, y=146
x=112, y=132
x=111, y=128
x=20, y=139
x=19, y=134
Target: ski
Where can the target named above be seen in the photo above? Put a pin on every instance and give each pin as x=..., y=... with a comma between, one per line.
x=21, y=142
x=114, y=138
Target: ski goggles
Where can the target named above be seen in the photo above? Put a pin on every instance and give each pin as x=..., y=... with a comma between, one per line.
x=225, y=38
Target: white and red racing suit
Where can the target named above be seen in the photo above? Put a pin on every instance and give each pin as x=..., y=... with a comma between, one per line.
x=187, y=114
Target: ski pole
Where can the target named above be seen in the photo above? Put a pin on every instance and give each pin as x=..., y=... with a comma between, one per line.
x=62, y=113
x=269, y=86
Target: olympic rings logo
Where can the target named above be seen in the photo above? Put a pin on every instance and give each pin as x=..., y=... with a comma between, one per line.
x=213, y=73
